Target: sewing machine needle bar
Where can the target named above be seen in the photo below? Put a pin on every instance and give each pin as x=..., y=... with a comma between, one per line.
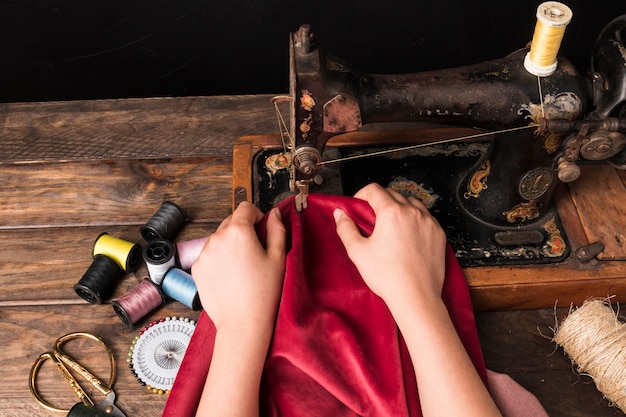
x=301, y=198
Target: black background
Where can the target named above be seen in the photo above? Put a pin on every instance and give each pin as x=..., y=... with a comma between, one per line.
x=78, y=49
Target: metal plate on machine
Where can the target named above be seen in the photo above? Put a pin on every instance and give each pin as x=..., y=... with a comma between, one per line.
x=432, y=174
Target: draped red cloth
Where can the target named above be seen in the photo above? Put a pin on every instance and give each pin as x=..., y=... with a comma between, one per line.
x=336, y=350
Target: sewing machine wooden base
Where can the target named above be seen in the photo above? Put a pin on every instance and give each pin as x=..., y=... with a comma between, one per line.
x=590, y=210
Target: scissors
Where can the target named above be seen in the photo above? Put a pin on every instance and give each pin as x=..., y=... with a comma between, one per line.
x=62, y=360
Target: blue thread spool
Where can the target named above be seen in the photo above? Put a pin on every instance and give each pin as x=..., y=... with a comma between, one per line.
x=180, y=286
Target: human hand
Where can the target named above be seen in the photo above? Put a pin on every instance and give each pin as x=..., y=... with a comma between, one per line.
x=239, y=281
x=403, y=260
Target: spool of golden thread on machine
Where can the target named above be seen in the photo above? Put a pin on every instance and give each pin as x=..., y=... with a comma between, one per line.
x=595, y=340
x=552, y=18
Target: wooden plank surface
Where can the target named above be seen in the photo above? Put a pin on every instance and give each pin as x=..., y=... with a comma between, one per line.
x=48, y=262
x=517, y=343
x=70, y=171
x=34, y=329
x=112, y=192
x=139, y=128
x=607, y=225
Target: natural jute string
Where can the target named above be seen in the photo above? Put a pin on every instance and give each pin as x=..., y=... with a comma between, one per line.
x=595, y=340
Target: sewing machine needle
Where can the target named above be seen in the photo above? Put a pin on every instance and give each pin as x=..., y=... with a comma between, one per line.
x=301, y=198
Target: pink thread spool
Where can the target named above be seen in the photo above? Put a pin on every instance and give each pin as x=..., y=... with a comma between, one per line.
x=188, y=251
x=138, y=302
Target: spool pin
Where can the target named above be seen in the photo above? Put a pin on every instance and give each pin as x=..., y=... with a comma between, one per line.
x=552, y=18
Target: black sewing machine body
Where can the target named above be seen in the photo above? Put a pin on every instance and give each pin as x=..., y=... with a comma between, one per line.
x=491, y=191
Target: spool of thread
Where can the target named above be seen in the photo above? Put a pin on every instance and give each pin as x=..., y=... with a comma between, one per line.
x=138, y=302
x=159, y=257
x=164, y=224
x=552, y=18
x=188, y=251
x=126, y=254
x=180, y=286
x=595, y=340
x=99, y=280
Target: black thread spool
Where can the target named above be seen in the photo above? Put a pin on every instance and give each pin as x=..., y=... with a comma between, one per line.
x=100, y=279
x=159, y=256
x=164, y=224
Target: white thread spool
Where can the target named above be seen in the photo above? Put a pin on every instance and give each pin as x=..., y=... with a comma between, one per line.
x=552, y=18
x=159, y=256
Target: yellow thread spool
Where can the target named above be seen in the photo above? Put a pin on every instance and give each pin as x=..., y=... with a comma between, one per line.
x=125, y=254
x=552, y=18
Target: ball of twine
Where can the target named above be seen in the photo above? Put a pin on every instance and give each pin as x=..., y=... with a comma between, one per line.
x=595, y=340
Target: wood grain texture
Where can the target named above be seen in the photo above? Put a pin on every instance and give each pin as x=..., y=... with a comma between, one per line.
x=112, y=192
x=72, y=170
x=603, y=215
x=41, y=265
x=518, y=343
x=38, y=327
x=131, y=128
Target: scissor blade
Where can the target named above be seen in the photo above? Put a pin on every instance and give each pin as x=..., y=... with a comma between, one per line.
x=108, y=406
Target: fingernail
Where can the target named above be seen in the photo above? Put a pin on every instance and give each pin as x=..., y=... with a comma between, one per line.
x=337, y=214
x=278, y=213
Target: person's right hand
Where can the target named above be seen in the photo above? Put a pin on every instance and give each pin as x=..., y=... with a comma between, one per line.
x=403, y=261
x=405, y=254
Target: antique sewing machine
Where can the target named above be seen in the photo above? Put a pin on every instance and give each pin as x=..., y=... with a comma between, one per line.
x=517, y=136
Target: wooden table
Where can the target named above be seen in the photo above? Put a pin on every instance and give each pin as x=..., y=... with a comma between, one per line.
x=72, y=170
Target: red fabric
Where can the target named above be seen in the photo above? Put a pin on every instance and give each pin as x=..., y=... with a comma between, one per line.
x=336, y=350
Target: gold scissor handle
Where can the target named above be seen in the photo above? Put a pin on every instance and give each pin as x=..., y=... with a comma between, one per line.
x=91, y=378
x=60, y=359
x=66, y=374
